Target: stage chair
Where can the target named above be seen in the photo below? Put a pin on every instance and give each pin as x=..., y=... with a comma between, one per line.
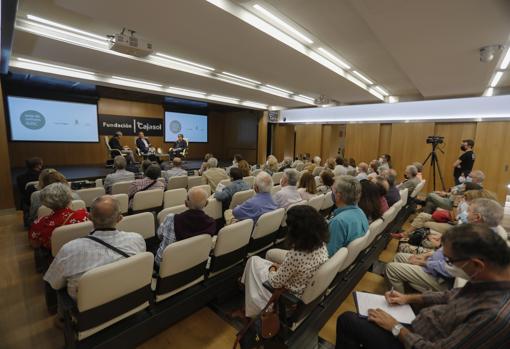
x=121, y=187
x=174, y=209
x=354, y=248
x=316, y=202
x=183, y=265
x=123, y=200
x=107, y=295
x=175, y=197
x=275, y=189
x=65, y=233
x=276, y=177
x=177, y=182
x=194, y=181
x=147, y=200
x=240, y=197
x=231, y=245
x=250, y=180
x=112, y=153
x=184, y=153
x=265, y=230
x=88, y=195
x=205, y=187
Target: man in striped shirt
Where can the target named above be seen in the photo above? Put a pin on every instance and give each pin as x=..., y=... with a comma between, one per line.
x=474, y=317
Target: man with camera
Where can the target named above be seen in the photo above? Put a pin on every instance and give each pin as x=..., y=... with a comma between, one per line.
x=464, y=164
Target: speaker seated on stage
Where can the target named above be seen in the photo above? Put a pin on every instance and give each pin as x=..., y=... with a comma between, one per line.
x=114, y=143
x=180, y=148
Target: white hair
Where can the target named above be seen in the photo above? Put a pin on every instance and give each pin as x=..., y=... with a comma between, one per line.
x=264, y=182
x=317, y=160
x=212, y=163
x=412, y=170
x=292, y=176
x=490, y=211
x=478, y=174
x=56, y=196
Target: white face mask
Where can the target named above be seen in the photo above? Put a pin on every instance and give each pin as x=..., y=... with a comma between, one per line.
x=457, y=272
x=381, y=160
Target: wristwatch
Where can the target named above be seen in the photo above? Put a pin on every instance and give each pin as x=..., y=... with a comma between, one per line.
x=395, y=331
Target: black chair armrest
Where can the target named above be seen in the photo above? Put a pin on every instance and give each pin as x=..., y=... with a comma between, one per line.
x=287, y=297
x=65, y=302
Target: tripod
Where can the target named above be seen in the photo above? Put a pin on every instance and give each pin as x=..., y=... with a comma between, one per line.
x=435, y=166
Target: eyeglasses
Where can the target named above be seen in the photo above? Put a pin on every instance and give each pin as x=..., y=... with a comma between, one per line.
x=450, y=261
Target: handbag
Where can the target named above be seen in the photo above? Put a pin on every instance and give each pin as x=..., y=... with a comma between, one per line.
x=269, y=324
x=417, y=236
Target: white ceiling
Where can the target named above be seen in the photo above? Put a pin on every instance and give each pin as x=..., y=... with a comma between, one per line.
x=415, y=49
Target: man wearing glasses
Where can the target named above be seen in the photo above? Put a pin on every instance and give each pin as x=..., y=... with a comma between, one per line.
x=476, y=316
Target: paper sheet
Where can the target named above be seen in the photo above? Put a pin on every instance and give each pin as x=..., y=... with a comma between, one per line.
x=364, y=301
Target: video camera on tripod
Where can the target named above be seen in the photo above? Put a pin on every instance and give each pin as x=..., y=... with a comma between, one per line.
x=435, y=140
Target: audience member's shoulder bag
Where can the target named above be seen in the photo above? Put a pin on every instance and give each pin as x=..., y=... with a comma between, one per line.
x=266, y=325
x=416, y=238
x=104, y=243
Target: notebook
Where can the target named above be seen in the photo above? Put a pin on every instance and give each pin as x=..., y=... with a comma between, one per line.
x=364, y=301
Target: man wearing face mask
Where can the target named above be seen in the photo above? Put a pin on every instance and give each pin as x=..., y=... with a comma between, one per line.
x=464, y=164
x=428, y=271
x=473, y=317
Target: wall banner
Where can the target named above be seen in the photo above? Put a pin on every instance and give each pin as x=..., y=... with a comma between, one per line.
x=129, y=125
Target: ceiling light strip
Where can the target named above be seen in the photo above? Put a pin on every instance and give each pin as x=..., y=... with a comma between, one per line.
x=495, y=79
x=21, y=59
x=65, y=27
x=241, y=78
x=180, y=60
x=506, y=60
x=334, y=58
x=362, y=77
x=136, y=81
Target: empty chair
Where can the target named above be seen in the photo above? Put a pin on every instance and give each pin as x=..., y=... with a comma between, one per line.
x=277, y=176
x=121, y=187
x=265, y=230
x=110, y=293
x=205, y=187
x=240, y=197
x=183, y=265
x=354, y=248
x=174, y=197
x=66, y=233
x=147, y=200
x=141, y=223
x=194, y=181
x=275, y=189
x=174, y=209
x=89, y=194
x=231, y=245
x=250, y=180
x=177, y=182
x=213, y=209
x=316, y=202
x=123, y=200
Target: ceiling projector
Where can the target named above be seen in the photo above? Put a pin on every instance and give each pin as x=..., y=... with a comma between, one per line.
x=129, y=44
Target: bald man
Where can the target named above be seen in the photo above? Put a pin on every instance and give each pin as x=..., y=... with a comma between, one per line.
x=81, y=255
x=184, y=225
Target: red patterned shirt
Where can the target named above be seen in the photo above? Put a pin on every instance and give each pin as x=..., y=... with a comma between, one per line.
x=41, y=230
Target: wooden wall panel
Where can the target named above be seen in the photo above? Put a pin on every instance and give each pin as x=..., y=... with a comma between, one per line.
x=262, y=138
x=385, y=139
x=454, y=133
x=308, y=139
x=331, y=141
x=408, y=145
x=283, y=144
x=362, y=142
x=6, y=196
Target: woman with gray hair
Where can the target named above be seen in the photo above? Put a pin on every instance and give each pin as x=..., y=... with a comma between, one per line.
x=57, y=197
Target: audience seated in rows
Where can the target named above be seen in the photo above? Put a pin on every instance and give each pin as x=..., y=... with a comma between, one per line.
x=411, y=181
x=340, y=168
x=383, y=186
x=326, y=181
x=236, y=184
x=429, y=271
x=348, y=222
x=330, y=164
x=34, y=167
x=445, y=200
x=307, y=188
x=149, y=182
x=80, y=255
x=245, y=167
x=373, y=167
x=370, y=200
x=257, y=205
x=473, y=317
x=307, y=233
x=289, y=194
x=204, y=165
x=214, y=174
x=187, y=224
x=271, y=165
x=384, y=163
x=120, y=174
x=57, y=197
x=47, y=177
x=235, y=162
x=175, y=171
x=285, y=164
x=298, y=164
x=362, y=171
x=419, y=168
x=393, y=194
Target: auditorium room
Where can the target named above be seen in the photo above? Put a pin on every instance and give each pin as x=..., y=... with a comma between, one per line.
x=278, y=174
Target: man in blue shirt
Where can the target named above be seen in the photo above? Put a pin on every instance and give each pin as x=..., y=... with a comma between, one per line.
x=236, y=184
x=259, y=204
x=349, y=221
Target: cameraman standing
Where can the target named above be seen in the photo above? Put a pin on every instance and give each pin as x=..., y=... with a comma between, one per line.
x=464, y=164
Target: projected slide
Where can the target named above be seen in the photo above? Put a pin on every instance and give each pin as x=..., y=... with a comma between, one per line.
x=53, y=121
x=192, y=126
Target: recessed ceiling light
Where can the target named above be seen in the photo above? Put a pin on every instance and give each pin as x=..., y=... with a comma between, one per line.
x=381, y=90
x=242, y=78
x=185, y=91
x=65, y=27
x=279, y=89
x=334, y=58
x=254, y=104
x=136, y=81
x=283, y=24
x=355, y=81
x=180, y=60
x=363, y=77
x=54, y=66
x=506, y=60
x=489, y=92
x=224, y=99
x=496, y=78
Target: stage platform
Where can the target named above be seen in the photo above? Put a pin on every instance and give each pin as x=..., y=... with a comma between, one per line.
x=92, y=172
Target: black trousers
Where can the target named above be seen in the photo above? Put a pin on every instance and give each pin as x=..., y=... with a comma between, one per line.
x=353, y=331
